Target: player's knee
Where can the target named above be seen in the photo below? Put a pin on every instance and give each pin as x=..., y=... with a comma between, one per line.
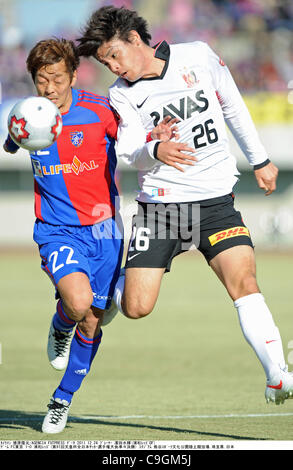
x=136, y=309
x=249, y=284
x=135, y=314
x=79, y=305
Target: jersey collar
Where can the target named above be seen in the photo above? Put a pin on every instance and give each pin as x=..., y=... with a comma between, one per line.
x=161, y=51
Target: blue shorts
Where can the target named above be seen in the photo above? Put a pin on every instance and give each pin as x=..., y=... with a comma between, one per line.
x=94, y=250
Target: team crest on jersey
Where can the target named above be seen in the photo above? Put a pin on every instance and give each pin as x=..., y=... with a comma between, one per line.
x=76, y=138
x=190, y=78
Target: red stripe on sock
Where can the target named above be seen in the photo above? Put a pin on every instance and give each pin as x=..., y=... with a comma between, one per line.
x=63, y=315
x=85, y=340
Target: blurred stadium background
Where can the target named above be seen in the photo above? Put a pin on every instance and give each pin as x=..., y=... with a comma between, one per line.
x=254, y=37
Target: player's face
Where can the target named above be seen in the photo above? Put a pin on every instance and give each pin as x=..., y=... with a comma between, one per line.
x=53, y=81
x=125, y=59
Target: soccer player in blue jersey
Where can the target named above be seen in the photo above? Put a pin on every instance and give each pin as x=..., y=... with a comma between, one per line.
x=79, y=236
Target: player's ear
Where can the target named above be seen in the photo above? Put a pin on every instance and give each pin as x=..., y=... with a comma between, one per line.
x=134, y=37
x=74, y=78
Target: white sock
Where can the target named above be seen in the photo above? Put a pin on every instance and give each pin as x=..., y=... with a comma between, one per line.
x=260, y=332
x=118, y=292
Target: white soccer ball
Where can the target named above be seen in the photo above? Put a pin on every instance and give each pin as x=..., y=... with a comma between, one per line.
x=34, y=123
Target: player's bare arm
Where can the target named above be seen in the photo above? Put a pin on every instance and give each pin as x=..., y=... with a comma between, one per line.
x=266, y=178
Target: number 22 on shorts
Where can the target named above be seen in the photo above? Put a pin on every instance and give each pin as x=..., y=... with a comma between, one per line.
x=68, y=260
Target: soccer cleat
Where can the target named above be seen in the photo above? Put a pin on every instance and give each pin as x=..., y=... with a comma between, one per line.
x=58, y=347
x=279, y=388
x=110, y=314
x=56, y=418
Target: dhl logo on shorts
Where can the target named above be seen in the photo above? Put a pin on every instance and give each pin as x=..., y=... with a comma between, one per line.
x=229, y=233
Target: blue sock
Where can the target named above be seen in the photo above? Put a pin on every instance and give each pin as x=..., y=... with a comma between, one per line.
x=82, y=353
x=61, y=321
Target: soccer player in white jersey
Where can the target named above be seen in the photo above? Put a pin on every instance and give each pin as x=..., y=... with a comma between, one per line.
x=186, y=177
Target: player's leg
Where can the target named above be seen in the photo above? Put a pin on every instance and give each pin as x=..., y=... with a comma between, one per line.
x=235, y=267
x=76, y=298
x=141, y=291
x=76, y=294
x=149, y=255
x=104, y=264
x=68, y=269
x=84, y=347
x=227, y=246
x=73, y=308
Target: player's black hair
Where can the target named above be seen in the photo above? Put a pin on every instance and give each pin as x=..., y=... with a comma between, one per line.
x=51, y=51
x=108, y=22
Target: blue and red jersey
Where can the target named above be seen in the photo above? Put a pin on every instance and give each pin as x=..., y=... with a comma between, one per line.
x=74, y=177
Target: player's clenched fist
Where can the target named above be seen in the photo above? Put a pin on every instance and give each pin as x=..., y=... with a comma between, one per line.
x=266, y=178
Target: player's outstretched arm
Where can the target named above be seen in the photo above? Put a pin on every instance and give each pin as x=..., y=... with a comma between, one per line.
x=266, y=178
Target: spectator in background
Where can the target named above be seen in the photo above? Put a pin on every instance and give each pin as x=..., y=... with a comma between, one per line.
x=254, y=54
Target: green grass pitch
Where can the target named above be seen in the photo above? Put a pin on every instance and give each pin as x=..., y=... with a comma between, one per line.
x=184, y=373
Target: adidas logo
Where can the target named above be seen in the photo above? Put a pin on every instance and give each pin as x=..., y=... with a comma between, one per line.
x=81, y=372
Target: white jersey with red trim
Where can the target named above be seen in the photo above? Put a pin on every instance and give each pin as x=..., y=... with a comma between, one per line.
x=197, y=88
